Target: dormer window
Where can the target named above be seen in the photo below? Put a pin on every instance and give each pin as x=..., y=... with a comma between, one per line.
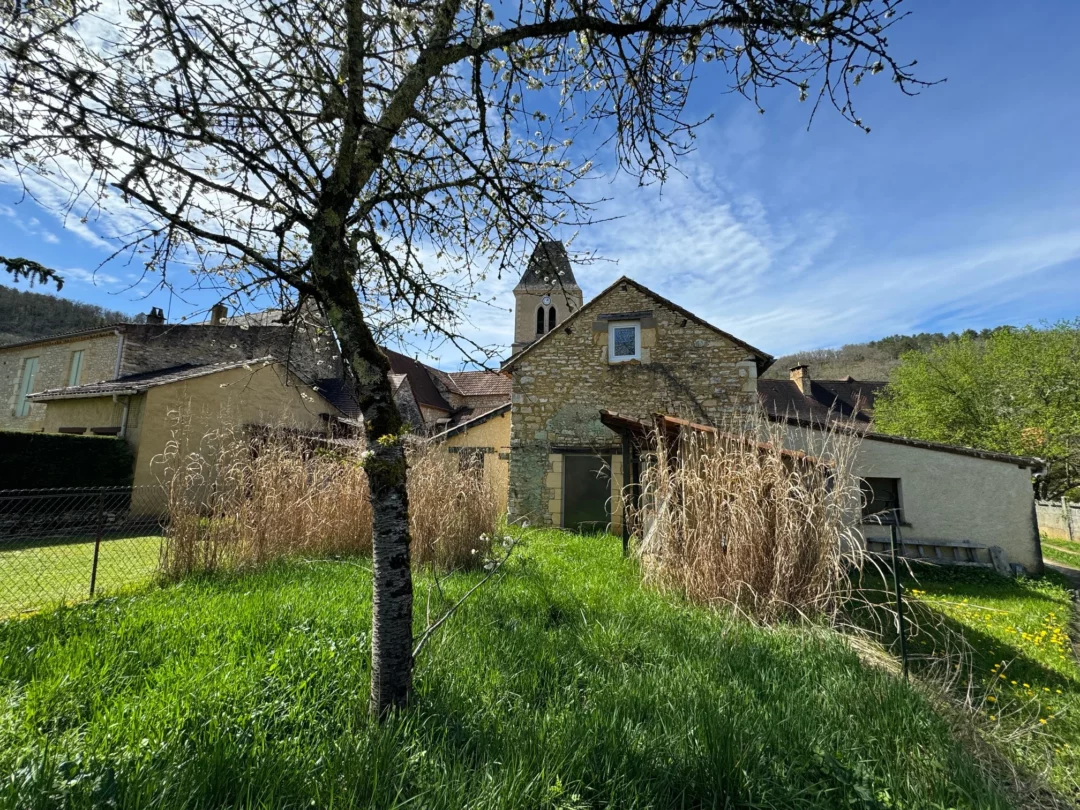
x=624, y=341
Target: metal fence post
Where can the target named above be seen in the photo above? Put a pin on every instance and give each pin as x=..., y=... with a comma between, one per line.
x=97, y=540
x=894, y=531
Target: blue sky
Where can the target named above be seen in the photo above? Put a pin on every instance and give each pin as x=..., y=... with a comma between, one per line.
x=960, y=209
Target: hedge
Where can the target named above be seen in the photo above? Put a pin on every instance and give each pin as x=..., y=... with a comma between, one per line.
x=36, y=460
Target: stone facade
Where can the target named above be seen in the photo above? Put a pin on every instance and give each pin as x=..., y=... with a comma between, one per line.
x=54, y=364
x=686, y=368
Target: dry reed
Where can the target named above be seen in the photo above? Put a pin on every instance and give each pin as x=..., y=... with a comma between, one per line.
x=237, y=500
x=738, y=517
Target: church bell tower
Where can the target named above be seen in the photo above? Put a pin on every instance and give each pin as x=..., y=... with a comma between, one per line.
x=546, y=296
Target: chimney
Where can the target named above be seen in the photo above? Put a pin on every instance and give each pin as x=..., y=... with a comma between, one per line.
x=800, y=375
x=218, y=314
x=156, y=317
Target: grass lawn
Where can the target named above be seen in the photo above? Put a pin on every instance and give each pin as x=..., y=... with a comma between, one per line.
x=563, y=685
x=1026, y=682
x=37, y=576
x=1061, y=551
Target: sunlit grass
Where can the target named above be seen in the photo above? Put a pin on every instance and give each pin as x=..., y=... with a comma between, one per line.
x=38, y=576
x=564, y=684
x=1061, y=551
x=1024, y=674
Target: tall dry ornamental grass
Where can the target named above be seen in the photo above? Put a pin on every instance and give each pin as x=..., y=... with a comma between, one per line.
x=238, y=501
x=736, y=517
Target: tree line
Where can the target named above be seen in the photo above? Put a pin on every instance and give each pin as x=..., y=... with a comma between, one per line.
x=26, y=315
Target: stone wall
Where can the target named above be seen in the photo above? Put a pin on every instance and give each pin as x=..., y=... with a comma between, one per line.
x=560, y=385
x=54, y=369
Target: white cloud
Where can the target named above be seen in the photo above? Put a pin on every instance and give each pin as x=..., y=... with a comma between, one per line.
x=94, y=278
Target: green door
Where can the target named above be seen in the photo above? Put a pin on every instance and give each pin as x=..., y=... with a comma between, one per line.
x=586, y=492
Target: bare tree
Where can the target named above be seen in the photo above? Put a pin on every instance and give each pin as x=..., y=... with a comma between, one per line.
x=374, y=156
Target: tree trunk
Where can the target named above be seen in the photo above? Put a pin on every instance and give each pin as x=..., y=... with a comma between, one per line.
x=391, y=618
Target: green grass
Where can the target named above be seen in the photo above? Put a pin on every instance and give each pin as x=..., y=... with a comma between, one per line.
x=563, y=685
x=1025, y=677
x=45, y=574
x=1061, y=551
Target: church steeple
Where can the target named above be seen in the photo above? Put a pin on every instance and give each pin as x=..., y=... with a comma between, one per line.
x=547, y=294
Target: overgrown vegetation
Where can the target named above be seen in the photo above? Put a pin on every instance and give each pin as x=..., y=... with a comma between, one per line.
x=1018, y=672
x=563, y=684
x=26, y=315
x=745, y=520
x=238, y=501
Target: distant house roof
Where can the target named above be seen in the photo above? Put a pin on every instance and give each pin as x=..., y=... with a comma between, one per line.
x=338, y=393
x=764, y=360
x=549, y=266
x=137, y=383
x=423, y=387
x=848, y=399
x=481, y=383
x=471, y=421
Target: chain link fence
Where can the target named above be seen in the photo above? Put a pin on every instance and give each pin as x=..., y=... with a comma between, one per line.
x=64, y=545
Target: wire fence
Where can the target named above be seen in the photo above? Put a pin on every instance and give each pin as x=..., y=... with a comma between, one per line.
x=64, y=545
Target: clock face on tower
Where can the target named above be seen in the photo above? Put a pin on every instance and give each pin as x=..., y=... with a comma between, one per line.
x=547, y=300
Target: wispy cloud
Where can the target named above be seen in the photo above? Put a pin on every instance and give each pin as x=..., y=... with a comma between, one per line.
x=95, y=278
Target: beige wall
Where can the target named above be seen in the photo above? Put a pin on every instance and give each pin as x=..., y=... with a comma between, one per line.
x=235, y=397
x=54, y=367
x=94, y=412
x=494, y=436
x=951, y=497
x=560, y=385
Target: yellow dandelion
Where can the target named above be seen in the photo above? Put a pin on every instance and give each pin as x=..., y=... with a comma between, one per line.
x=1042, y=720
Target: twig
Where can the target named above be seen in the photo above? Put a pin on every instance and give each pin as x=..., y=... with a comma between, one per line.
x=431, y=629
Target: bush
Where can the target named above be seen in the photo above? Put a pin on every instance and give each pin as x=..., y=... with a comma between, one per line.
x=741, y=520
x=238, y=501
x=42, y=460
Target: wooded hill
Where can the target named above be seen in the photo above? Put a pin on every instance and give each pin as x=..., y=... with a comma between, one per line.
x=25, y=315
x=872, y=361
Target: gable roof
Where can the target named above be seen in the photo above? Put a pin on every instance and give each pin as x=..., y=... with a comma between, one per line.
x=849, y=399
x=549, y=266
x=481, y=383
x=425, y=392
x=137, y=383
x=764, y=360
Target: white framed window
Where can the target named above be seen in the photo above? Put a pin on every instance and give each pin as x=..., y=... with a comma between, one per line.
x=26, y=386
x=624, y=341
x=76, y=367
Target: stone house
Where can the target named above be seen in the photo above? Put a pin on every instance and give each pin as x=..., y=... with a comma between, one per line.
x=634, y=353
x=125, y=349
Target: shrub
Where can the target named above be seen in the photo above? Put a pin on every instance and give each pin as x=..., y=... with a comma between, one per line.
x=41, y=460
x=239, y=500
x=738, y=518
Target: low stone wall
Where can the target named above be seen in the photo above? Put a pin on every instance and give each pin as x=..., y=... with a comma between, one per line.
x=1058, y=520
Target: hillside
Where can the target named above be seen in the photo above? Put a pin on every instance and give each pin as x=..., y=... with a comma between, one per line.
x=873, y=360
x=25, y=315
